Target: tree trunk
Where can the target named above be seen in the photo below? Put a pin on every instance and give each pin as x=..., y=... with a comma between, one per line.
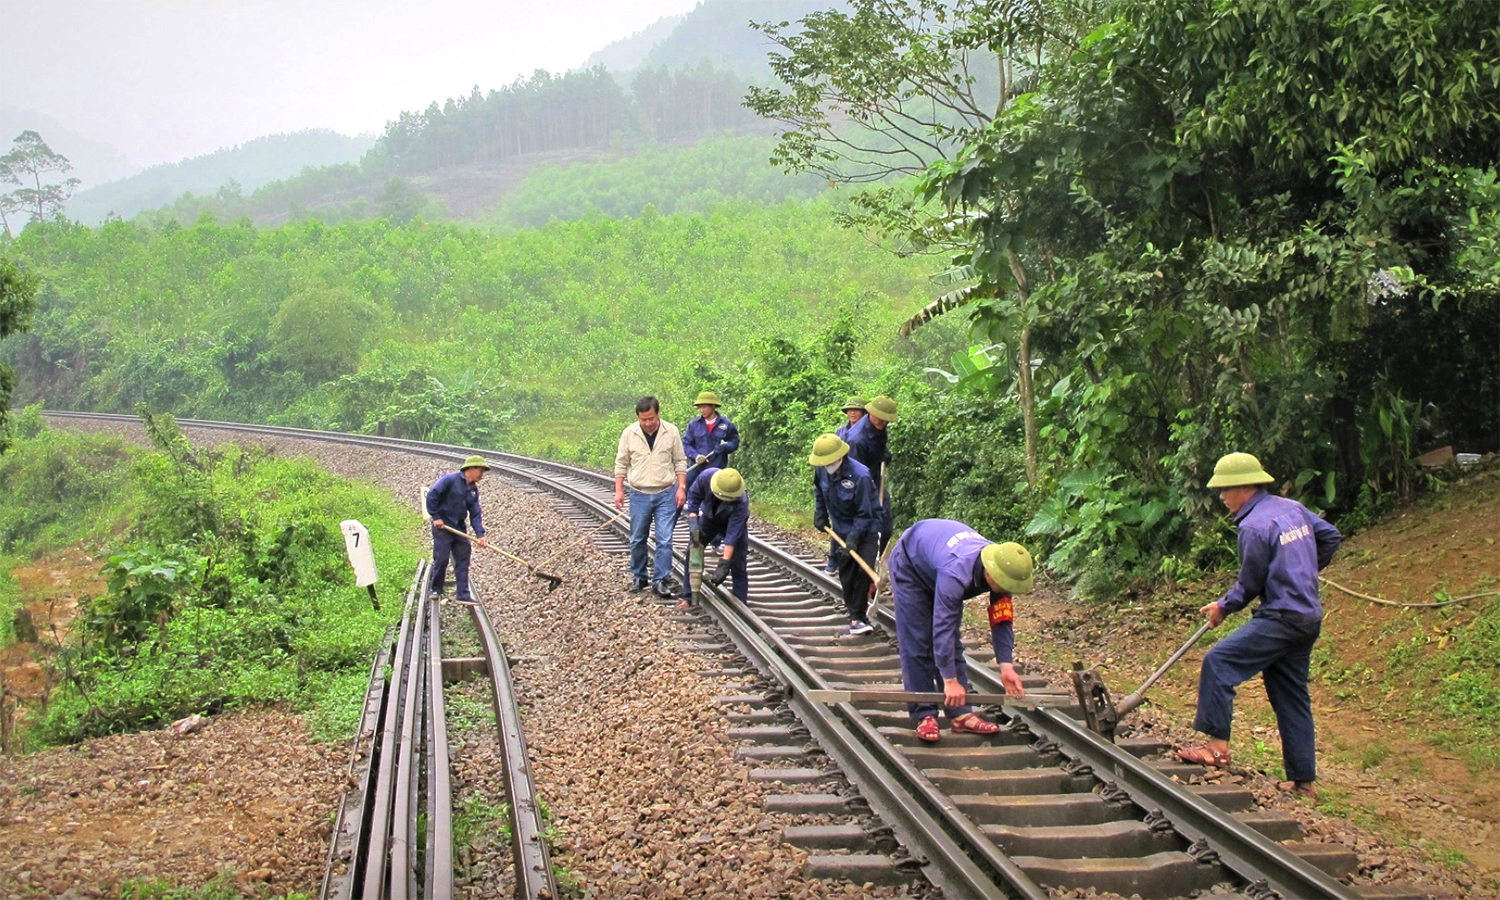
x=1023, y=365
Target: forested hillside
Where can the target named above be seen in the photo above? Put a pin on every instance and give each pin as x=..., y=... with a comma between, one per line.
x=245, y=167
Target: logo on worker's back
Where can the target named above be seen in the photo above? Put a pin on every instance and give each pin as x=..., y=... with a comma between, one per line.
x=1296, y=534
x=964, y=536
x=1002, y=609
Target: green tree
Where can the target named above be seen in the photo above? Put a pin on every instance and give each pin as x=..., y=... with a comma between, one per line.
x=319, y=330
x=27, y=163
x=17, y=302
x=1251, y=191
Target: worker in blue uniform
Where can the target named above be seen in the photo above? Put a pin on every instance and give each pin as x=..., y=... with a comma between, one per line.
x=718, y=510
x=711, y=437
x=854, y=410
x=934, y=568
x=1283, y=545
x=867, y=445
x=844, y=499
x=454, y=501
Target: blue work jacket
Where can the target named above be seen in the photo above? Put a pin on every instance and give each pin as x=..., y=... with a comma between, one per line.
x=940, y=559
x=453, y=500
x=867, y=445
x=1283, y=547
x=729, y=519
x=846, y=500
x=716, y=443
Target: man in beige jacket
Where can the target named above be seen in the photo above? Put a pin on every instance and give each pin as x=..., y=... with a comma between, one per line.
x=650, y=459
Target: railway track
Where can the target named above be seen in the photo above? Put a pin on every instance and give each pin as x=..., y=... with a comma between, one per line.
x=1045, y=806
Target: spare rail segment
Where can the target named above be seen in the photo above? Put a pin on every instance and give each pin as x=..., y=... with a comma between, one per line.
x=533, y=865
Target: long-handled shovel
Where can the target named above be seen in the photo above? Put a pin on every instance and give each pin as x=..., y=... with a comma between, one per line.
x=874, y=576
x=553, y=581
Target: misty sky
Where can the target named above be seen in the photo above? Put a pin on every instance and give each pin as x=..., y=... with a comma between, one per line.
x=167, y=79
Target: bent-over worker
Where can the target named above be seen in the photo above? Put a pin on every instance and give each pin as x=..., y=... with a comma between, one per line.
x=718, y=511
x=934, y=568
x=453, y=501
x=1283, y=546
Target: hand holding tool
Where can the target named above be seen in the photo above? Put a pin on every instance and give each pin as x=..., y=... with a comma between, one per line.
x=874, y=577
x=553, y=581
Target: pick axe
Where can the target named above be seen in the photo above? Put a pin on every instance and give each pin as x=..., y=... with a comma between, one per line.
x=874, y=576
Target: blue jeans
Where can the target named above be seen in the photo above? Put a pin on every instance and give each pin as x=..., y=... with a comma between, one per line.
x=1281, y=652
x=661, y=507
x=445, y=544
x=919, y=671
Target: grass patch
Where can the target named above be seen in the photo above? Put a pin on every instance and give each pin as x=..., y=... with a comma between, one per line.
x=10, y=601
x=220, y=887
x=227, y=581
x=476, y=817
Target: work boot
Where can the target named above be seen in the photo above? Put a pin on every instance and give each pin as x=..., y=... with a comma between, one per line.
x=664, y=590
x=637, y=585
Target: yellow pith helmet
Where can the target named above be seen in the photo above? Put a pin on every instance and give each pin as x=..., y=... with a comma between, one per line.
x=883, y=408
x=1009, y=564
x=707, y=398
x=727, y=484
x=1236, y=469
x=827, y=449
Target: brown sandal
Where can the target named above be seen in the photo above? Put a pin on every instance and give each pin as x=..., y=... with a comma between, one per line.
x=1299, y=788
x=1205, y=755
x=969, y=723
x=927, y=730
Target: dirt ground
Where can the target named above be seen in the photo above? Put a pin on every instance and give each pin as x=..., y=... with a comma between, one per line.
x=1420, y=800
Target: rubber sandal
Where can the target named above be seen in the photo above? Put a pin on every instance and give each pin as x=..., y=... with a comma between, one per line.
x=1298, y=788
x=969, y=723
x=928, y=730
x=1205, y=755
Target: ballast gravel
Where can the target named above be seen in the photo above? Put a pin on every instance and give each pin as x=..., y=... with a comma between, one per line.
x=630, y=755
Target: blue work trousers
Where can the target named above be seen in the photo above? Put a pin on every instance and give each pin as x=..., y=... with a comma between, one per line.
x=445, y=544
x=1281, y=652
x=919, y=671
x=661, y=508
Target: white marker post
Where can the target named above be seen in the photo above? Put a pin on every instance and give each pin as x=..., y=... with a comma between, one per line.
x=361, y=557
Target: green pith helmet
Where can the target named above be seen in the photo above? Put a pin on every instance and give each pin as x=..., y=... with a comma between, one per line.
x=707, y=398
x=827, y=449
x=1235, y=469
x=1009, y=564
x=882, y=407
x=475, y=462
x=727, y=484
x=855, y=402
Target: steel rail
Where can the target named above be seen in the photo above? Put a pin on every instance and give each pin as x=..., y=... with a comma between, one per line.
x=349, y=827
x=529, y=854
x=377, y=850
x=1241, y=849
x=1244, y=851
x=920, y=815
x=437, y=878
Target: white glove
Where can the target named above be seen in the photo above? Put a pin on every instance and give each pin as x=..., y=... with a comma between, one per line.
x=701, y=459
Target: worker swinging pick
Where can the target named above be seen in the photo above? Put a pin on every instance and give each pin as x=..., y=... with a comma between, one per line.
x=1283, y=546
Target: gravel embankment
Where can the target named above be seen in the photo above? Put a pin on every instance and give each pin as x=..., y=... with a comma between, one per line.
x=631, y=756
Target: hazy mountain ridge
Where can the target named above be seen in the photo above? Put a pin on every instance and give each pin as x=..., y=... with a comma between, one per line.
x=629, y=53
x=94, y=162
x=249, y=165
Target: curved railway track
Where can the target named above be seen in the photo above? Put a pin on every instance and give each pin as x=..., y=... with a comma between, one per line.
x=1046, y=805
